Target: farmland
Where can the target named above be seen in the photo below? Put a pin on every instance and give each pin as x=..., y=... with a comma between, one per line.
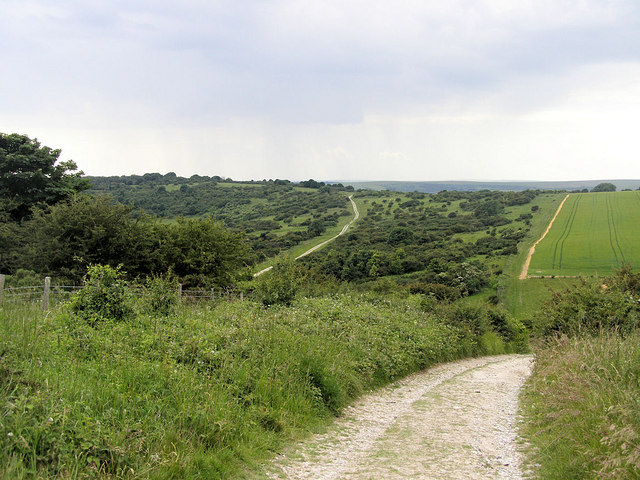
x=594, y=234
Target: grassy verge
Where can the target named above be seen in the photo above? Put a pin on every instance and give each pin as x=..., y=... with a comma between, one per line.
x=582, y=408
x=209, y=391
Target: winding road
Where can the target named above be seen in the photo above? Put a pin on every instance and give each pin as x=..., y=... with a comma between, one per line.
x=356, y=215
x=454, y=421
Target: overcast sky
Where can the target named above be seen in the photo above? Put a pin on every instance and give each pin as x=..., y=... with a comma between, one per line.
x=348, y=89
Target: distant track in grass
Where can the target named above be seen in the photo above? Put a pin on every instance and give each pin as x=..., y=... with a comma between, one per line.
x=565, y=234
x=356, y=215
x=525, y=267
x=613, y=232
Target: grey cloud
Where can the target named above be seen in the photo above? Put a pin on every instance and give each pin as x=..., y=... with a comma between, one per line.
x=281, y=61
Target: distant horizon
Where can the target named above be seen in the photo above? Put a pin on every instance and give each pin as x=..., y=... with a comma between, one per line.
x=492, y=181
x=303, y=179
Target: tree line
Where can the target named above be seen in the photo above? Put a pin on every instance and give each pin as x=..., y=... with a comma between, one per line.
x=48, y=225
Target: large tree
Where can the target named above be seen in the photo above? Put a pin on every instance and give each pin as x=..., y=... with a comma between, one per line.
x=604, y=187
x=31, y=175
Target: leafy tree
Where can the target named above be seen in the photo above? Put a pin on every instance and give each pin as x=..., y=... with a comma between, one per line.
x=30, y=175
x=9, y=242
x=66, y=238
x=200, y=251
x=604, y=187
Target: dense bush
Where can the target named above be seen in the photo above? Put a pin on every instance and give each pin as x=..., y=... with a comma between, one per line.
x=594, y=305
x=485, y=328
x=160, y=295
x=24, y=278
x=104, y=296
x=62, y=240
x=279, y=285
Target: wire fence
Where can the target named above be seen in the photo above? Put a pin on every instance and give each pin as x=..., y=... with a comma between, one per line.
x=46, y=293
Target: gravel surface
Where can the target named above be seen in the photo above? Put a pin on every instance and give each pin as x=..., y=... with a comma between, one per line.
x=453, y=421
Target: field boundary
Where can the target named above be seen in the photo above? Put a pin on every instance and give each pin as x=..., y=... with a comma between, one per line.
x=525, y=267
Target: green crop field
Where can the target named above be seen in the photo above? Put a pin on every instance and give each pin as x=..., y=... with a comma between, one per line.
x=593, y=234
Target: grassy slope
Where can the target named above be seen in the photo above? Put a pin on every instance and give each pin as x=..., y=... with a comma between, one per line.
x=583, y=409
x=201, y=394
x=593, y=234
x=306, y=245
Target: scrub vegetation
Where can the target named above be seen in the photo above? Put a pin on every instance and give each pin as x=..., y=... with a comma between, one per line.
x=274, y=215
x=102, y=388
x=581, y=405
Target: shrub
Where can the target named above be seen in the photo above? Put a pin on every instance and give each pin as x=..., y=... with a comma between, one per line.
x=104, y=296
x=594, y=305
x=24, y=278
x=511, y=329
x=437, y=290
x=280, y=285
x=160, y=294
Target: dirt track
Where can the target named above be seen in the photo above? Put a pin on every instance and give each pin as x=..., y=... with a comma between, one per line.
x=356, y=215
x=525, y=267
x=454, y=421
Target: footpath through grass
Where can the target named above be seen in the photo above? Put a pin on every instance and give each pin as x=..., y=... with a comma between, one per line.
x=209, y=391
x=302, y=247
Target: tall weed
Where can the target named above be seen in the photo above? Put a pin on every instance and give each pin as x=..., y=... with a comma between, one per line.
x=582, y=408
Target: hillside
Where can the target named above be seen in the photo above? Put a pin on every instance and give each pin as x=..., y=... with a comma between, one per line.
x=135, y=378
x=274, y=215
x=448, y=244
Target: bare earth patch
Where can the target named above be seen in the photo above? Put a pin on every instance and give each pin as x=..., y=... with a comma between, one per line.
x=453, y=421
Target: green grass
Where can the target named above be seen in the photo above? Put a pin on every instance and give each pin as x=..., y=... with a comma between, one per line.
x=594, y=234
x=582, y=409
x=205, y=393
x=524, y=297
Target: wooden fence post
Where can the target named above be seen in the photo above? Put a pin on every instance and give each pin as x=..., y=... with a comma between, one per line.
x=213, y=294
x=1, y=285
x=241, y=297
x=45, y=294
x=179, y=292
